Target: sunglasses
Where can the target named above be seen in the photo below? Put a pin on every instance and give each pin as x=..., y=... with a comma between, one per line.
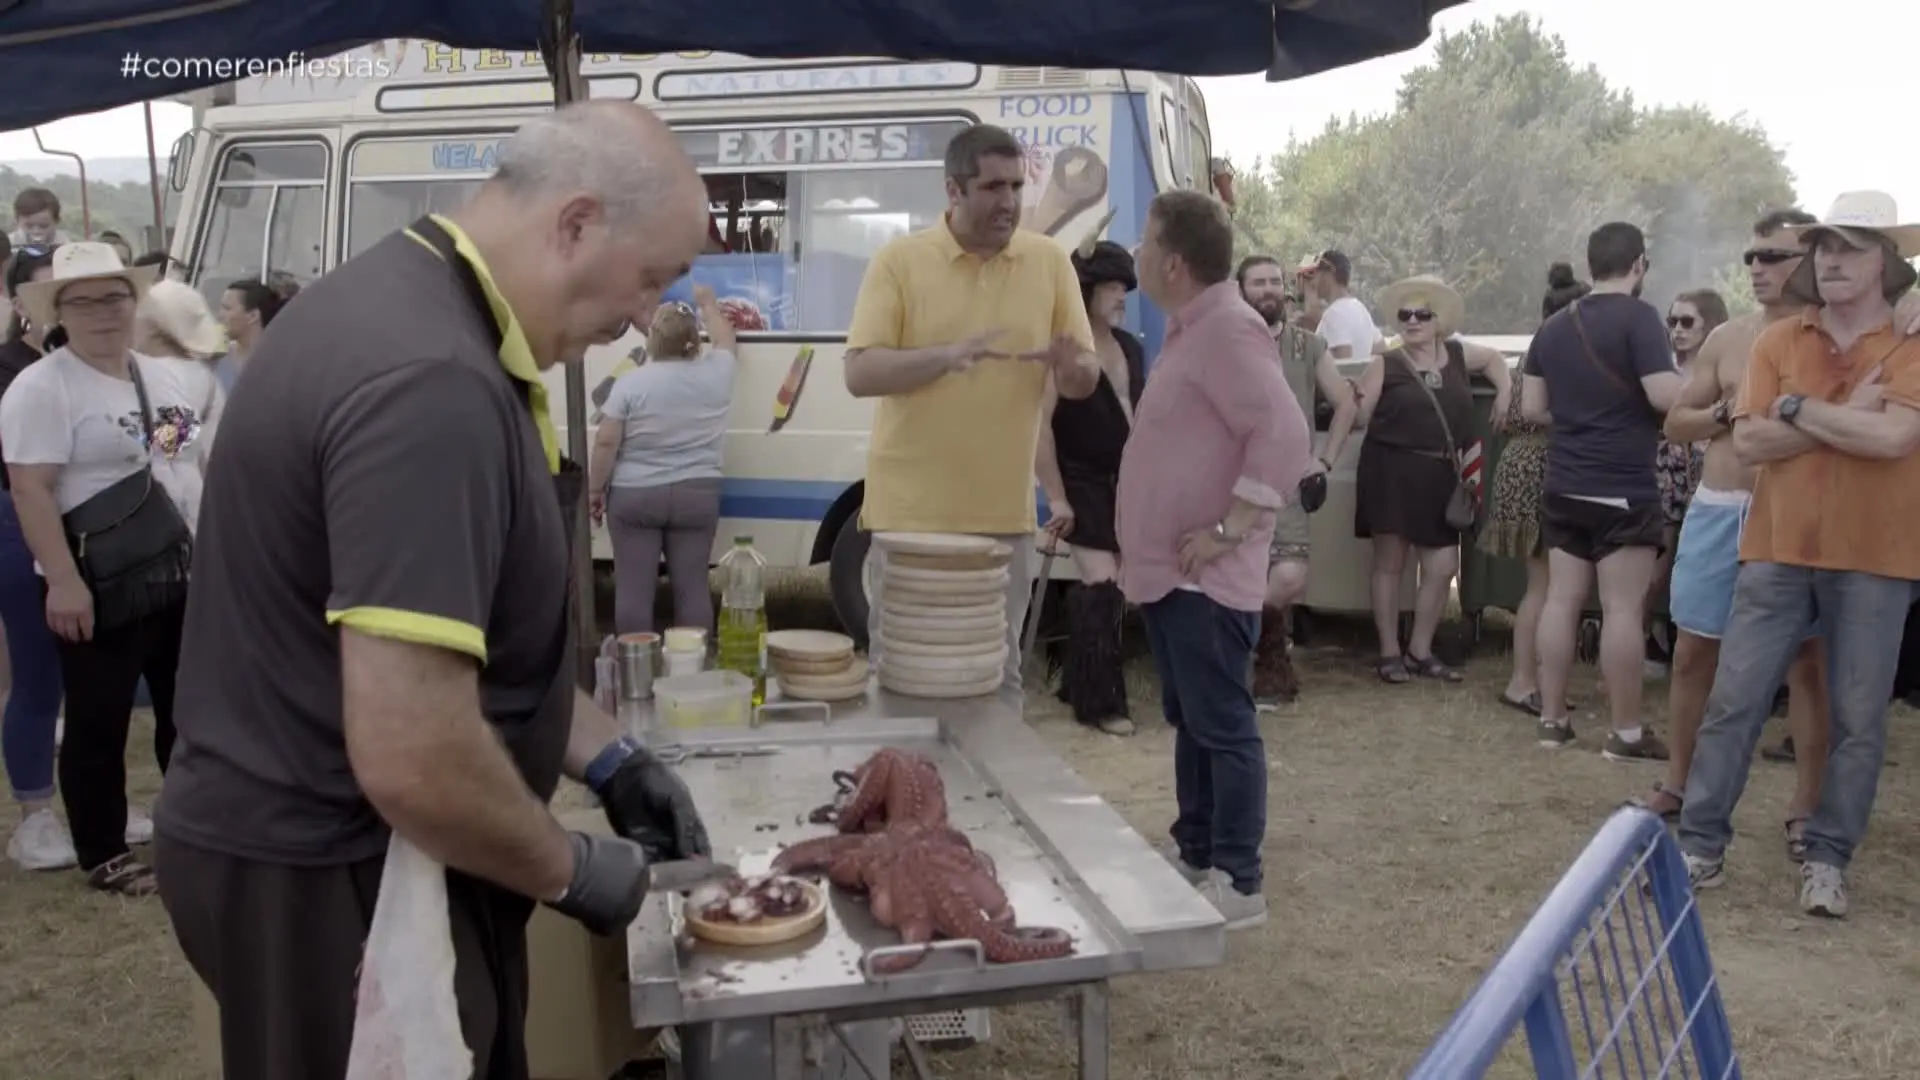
x=1414, y=315
x=1768, y=256
x=1680, y=322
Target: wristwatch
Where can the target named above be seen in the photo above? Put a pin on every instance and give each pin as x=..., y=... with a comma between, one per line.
x=1723, y=412
x=1790, y=407
x=608, y=761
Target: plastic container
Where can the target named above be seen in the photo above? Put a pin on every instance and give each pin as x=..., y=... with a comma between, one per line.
x=743, y=615
x=703, y=700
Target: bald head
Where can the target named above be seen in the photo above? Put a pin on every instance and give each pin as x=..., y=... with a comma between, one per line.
x=616, y=152
x=594, y=211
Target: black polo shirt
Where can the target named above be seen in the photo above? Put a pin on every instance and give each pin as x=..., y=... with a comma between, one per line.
x=382, y=467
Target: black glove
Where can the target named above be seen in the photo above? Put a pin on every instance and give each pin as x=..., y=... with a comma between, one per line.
x=609, y=883
x=1313, y=492
x=649, y=805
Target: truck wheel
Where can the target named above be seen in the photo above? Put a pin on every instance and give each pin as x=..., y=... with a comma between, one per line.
x=847, y=579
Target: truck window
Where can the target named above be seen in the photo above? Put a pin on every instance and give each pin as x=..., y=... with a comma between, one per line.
x=391, y=183
x=266, y=216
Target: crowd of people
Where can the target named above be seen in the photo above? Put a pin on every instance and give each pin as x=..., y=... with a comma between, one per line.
x=393, y=560
x=112, y=391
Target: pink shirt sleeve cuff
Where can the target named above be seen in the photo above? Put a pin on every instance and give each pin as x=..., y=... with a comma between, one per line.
x=1253, y=491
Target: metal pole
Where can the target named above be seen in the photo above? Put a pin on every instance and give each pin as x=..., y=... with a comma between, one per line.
x=563, y=66
x=153, y=181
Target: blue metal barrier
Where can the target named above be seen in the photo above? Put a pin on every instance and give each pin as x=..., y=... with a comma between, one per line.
x=1616, y=957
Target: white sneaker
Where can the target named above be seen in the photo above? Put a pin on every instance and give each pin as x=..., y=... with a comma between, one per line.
x=139, y=828
x=1703, y=873
x=1243, y=911
x=1823, y=890
x=40, y=842
x=59, y=730
x=1195, y=876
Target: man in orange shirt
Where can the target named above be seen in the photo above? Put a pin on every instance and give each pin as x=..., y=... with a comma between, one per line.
x=1830, y=415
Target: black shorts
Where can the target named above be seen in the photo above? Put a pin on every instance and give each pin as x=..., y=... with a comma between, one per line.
x=279, y=947
x=1591, y=531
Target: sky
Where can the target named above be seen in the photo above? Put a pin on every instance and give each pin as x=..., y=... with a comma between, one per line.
x=1735, y=57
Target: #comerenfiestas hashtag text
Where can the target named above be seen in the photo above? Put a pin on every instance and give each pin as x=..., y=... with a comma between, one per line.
x=227, y=68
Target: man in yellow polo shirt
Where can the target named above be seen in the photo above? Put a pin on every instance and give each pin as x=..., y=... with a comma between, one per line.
x=958, y=330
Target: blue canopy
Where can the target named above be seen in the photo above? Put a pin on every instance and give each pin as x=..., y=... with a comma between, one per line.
x=63, y=57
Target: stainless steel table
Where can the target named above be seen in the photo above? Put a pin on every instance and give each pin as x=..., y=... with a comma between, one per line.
x=813, y=1010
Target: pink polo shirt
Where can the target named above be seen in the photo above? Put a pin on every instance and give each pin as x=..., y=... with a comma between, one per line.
x=1216, y=422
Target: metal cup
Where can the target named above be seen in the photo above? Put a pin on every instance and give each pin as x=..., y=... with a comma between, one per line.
x=634, y=661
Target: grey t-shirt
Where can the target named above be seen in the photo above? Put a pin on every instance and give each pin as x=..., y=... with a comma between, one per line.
x=1605, y=434
x=674, y=419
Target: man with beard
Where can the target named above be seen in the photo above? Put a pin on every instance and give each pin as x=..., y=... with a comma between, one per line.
x=1830, y=415
x=1707, y=557
x=964, y=331
x=1601, y=373
x=1307, y=364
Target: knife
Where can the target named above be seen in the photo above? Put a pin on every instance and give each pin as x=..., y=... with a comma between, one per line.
x=685, y=875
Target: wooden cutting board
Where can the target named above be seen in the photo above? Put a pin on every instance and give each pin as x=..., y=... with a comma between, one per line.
x=992, y=560
x=893, y=607
x=787, y=665
x=802, y=690
x=946, y=580
x=980, y=637
x=902, y=685
x=938, y=545
x=908, y=652
x=898, y=596
x=809, y=644
x=854, y=674
x=941, y=671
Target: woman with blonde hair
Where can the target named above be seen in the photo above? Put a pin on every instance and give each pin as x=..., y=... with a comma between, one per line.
x=654, y=477
x=174, y=323
x=1417, y=406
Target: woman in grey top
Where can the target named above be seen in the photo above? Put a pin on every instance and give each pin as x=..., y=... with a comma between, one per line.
x=655, y=471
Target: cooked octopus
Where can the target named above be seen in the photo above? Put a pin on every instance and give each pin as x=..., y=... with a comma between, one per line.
x=749, y=900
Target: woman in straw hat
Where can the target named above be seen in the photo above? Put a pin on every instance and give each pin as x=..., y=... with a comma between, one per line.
x=1079, y=467
x=174, y=322
x=1417, y=406
x=102, y=450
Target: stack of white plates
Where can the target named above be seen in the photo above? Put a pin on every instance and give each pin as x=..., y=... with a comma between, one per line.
x=815, y=665
x=943, y=614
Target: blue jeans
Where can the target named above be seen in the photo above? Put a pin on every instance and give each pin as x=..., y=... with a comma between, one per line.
x=1202, y=652
x=1862, y=617
x=33, y=706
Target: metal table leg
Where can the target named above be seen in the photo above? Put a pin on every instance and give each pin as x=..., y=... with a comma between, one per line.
x=789, y=1048
x=1090, y=1005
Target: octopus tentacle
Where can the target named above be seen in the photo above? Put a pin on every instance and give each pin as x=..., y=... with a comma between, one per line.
x=817, y=854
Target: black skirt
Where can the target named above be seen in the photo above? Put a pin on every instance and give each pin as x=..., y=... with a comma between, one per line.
x=1404, y=493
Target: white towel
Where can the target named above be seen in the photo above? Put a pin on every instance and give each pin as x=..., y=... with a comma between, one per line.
x=406, y=1023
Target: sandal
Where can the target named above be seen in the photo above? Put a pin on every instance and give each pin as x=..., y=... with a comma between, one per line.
x=1645, y=802
x=1781, y=751
x=1392, y=669
x=1531, y=703
x=1431, y=668
x=1796, y=841
x=123, y=875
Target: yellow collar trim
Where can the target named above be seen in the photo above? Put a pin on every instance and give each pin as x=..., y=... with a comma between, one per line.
x=515, y=354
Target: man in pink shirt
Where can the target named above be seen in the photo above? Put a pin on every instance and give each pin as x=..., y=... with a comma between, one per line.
x=1219, y=443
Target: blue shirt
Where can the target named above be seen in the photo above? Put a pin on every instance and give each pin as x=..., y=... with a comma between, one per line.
x=674, y=419
x=1605, y=434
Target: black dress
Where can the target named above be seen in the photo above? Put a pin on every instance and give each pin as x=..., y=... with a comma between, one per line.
x=1088, y=436
x=1406, y=475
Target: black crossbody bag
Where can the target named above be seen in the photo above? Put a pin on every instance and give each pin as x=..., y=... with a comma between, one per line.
x=130, y=543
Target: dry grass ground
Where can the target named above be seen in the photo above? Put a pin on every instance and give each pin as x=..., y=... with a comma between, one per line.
x=1412, y=831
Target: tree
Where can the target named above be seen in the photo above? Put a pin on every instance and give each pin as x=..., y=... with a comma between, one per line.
x=1498, y=159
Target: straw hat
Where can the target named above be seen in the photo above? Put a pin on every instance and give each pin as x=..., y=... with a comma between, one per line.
x=181, y=313
x=1428, y=292
x=1866, y=220
x=81, y=260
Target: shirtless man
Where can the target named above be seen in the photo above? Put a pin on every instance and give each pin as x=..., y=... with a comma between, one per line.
x=1707, y=559
x=1307, y=363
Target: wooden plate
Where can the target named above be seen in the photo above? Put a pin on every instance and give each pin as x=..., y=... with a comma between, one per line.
x=927, y=671
x=925, y=690
x=892, y=636
x=809, y=644
x=918, y=613
x=983, y=649
x=906, y=560
x=897, y=596
x=787, y=665
x=765, y=932
x=946, y=580
x=855, y=674
x=807, y=691
x=937, y=545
